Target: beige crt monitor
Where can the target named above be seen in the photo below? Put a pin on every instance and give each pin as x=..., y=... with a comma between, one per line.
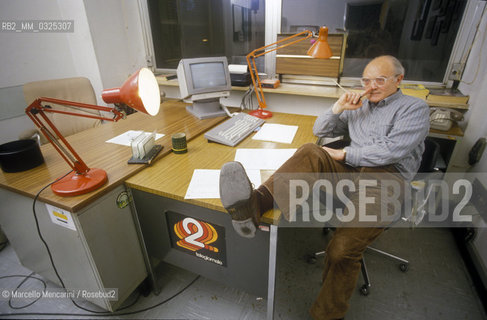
x=203, y=81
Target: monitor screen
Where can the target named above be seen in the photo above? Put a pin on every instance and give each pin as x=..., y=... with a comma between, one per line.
x=203, y=81
x=208, y=75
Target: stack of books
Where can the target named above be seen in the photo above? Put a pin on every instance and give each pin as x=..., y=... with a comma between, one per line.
x=415, y=90
x=447, y=96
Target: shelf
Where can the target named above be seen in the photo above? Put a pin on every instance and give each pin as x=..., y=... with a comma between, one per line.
x=284, y=88
x=451, y=134
x=463, y=106
x=333, y=92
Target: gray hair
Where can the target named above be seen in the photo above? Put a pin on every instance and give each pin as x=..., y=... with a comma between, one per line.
x=398, y=68
x=396, y=64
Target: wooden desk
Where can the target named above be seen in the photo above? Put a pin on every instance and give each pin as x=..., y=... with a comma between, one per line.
x=91, y=146
x=103, y=251
x=158, y=194
x=170, y=178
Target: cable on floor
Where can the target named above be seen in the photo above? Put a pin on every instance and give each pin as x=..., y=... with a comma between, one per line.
x=107, y=313
x=91, y=312
x=26, y=277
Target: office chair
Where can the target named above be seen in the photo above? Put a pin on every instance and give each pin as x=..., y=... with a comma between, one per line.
x=428, y=161
x=72, y=89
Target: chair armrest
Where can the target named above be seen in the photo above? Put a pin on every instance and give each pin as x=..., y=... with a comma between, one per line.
x=32, y=134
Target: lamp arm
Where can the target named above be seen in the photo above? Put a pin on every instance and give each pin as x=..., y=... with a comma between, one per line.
x=281, y=43
x=117, y=114
x=37, y=113
x=254, y=75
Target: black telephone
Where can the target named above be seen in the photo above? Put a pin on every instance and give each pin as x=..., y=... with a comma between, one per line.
x=476, y=152
x=443, y=118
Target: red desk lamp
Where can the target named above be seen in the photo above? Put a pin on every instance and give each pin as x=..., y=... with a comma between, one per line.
x=140, y=92
x=320, y=49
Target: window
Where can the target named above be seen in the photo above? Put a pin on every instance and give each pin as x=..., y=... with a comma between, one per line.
x=204, y=28
x=428, y=36
x=420, y=33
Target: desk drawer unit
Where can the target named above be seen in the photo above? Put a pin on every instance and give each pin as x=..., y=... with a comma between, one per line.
x=100, y=250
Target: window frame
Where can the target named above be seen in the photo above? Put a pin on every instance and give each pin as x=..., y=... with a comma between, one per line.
x=273, y=11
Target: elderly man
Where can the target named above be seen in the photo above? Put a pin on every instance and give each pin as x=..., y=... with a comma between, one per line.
x=387, y=131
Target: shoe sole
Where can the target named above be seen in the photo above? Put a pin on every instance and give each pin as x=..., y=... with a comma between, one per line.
x=235, y=193
x=235, y=186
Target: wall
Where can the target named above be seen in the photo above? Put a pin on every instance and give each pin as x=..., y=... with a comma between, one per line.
x=38, y=56
x=115, y=29
x=106, y=46
x=474, y=83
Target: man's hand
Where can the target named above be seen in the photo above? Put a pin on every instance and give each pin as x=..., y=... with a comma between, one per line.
x=335, y=154
x=349, y=101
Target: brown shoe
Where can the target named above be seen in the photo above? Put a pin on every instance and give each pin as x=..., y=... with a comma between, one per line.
x=239, y=199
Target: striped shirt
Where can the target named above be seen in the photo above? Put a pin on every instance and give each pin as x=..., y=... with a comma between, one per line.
x=391, y=131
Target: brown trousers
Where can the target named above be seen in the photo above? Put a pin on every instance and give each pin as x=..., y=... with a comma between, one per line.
x=345, y=249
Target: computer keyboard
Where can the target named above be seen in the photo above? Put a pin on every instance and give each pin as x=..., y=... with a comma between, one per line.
x=234, y=130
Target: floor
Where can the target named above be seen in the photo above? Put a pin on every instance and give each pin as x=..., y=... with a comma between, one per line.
x=436, y=286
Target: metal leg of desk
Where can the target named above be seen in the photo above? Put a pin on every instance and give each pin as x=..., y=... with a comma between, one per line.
x=150, y=271
x=272, y=272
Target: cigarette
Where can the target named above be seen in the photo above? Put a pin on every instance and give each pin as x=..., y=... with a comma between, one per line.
x=348, y=91
x=340, y=86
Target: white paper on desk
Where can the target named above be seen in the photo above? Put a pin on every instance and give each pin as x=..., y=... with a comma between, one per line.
x=126, y=138
x=205, y=183
x=263, y=159
x=276, y=132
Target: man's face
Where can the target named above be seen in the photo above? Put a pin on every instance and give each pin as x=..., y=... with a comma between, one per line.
x=374, y=75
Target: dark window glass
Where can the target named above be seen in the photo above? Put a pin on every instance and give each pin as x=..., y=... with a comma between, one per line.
x=204, y=28
x=421, y=33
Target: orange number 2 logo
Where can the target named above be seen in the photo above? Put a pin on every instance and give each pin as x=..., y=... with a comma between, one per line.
x=195, y=234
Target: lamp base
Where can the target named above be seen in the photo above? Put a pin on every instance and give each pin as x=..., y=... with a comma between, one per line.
x=76, y=184
x=261, y=113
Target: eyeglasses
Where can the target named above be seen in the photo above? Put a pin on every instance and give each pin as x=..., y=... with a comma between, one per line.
x=379, y=81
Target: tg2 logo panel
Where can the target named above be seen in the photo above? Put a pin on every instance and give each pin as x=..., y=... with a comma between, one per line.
x=198, y=238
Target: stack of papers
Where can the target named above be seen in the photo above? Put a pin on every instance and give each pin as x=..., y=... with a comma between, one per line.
x=205, y=183
x=263, y=159
x=276, y=132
